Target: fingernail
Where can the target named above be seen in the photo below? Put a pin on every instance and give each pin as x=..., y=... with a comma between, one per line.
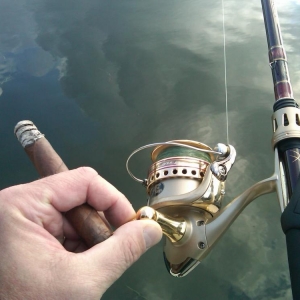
x=152, y=234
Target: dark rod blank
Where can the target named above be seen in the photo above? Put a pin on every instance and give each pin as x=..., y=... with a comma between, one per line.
x=277, y=55
x=288, y=148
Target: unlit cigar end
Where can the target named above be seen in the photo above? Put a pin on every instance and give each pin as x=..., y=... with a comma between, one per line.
x=27, y=133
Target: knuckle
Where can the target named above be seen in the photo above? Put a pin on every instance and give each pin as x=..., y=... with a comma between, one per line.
x=87, y=171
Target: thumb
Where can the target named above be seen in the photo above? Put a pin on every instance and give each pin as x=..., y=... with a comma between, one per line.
x=113, y=257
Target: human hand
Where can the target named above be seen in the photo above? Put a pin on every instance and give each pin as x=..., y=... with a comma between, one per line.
x=42, y=257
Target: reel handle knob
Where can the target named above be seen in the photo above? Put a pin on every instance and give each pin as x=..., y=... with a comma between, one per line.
x=173, y=228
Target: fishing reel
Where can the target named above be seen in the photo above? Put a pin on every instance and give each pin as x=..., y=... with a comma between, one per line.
x=186, y=186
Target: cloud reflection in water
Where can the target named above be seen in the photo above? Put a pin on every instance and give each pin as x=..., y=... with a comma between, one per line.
x=151, y=71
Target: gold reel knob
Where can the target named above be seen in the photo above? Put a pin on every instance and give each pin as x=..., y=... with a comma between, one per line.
x=173, y=228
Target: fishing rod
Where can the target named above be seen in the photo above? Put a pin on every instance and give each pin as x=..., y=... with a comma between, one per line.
x=186, y=180
x=286, y=138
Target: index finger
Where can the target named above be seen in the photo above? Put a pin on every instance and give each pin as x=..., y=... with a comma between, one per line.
x=73, y=188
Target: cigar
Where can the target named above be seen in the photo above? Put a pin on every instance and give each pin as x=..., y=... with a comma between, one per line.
x=84, y=218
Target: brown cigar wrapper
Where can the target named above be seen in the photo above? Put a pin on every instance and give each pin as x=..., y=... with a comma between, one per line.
x=84, y=218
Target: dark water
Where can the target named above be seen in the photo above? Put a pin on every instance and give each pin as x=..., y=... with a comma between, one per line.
x=101, y=78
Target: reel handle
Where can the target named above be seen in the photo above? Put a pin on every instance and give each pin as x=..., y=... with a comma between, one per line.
x=173, y=228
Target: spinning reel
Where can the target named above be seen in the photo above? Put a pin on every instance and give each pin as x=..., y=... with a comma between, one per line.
x=186, y=186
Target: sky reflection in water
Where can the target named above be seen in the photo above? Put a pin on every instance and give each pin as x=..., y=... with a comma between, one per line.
x=102, y=78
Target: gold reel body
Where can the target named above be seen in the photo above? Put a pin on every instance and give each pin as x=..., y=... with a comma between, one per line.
x=168, y=180
x=185, y=189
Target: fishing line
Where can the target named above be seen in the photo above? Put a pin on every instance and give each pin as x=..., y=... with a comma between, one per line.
x=225, y=73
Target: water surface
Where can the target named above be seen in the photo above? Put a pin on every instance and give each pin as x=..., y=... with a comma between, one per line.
x=101, y=78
